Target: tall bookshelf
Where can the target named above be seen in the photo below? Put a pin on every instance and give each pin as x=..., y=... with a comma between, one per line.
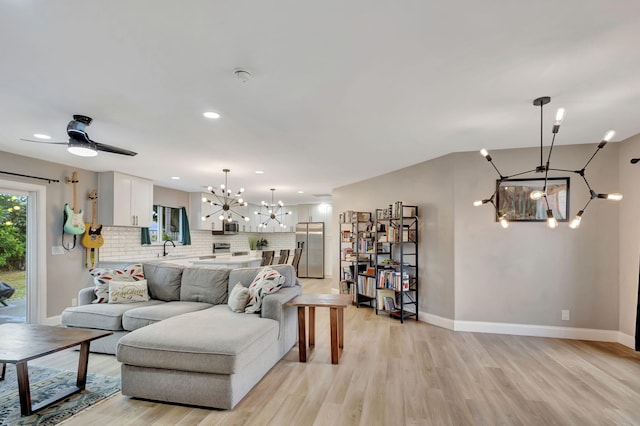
x=357, y=242
x=396, y=261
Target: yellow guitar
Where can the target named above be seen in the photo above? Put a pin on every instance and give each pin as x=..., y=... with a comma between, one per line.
x=73, y=223
x=92, y=237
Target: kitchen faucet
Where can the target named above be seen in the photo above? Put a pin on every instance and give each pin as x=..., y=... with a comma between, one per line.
x=164, y=247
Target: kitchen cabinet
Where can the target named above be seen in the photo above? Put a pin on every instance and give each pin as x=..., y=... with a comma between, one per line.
x=125, y=200
x=198, y=209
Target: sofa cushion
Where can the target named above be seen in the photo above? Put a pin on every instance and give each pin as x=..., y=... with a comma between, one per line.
x=208, y=285
x=215, y=340
x=137, y=318
x=163, y=280
x=103, y=316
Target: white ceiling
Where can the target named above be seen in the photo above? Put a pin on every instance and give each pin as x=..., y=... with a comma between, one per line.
x=341, y=90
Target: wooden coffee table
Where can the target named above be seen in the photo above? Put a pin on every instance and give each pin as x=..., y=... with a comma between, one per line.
x=20, y=343
x=336, y=304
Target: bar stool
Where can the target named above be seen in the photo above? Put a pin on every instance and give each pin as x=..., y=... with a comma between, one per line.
x=267, y=257
x=284, y=256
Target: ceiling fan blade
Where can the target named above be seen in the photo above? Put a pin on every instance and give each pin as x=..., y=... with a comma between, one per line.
x=113, y=149
x=50, y=143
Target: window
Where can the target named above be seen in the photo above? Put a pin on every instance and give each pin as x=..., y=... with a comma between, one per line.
x=166, y=224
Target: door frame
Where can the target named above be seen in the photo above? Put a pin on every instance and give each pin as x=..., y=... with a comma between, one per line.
x=36, y=257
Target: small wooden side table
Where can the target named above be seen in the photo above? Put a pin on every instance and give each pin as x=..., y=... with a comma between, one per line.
x=336, y=304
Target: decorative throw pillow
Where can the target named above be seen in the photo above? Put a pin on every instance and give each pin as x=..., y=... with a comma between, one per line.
x=102, y=277
x=128, y=291
x=238, y=298
x=266, y=282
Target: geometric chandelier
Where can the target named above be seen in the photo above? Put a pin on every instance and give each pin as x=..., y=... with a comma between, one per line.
x=545, y=168
x=225, y=201
x=275, y=212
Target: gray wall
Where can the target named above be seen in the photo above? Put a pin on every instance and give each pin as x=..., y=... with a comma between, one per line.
x=473, y=270
x=428, y=185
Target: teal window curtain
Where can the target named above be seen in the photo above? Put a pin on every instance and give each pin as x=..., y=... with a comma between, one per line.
x=144, y=236
x=186, y=235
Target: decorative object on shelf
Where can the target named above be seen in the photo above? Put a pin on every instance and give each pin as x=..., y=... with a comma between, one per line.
x=542, y=197
x=225, y=201
x=275, y=212
x=262, y=243
x=253, y=242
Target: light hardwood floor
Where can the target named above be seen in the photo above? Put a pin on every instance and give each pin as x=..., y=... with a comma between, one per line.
x=410, y=374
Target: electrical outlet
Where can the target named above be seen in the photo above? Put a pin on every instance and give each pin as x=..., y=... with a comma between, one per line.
x=566, y=315
x=74, y=302
x=57, y=250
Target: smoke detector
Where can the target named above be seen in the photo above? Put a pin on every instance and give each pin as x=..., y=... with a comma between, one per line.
x=242, y=75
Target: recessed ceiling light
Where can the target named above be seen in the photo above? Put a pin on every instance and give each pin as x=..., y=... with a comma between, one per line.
x=300, y=192
x=175, y=177
x=211, y=114
x=259, y=172
x=41, y=136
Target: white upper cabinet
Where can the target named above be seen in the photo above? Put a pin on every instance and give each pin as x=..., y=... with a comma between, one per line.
x=124, y=200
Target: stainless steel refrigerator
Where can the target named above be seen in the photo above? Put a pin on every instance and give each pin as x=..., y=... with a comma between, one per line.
x=310, y=237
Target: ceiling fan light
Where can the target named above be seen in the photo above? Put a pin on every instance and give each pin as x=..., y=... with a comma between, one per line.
x=614, y=197
x=81, y=148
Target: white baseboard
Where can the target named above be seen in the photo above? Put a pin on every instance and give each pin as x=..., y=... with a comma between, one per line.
x=628, y=341
x=529, y=330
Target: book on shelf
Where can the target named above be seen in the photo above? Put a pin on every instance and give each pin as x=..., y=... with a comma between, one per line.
x=367, y=286
x=390, y=304
x=347, y=254
x=393, y=280
x=382, y=295
x=346, y=273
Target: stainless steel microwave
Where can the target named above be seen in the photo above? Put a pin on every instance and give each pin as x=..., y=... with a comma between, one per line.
x=231, y=227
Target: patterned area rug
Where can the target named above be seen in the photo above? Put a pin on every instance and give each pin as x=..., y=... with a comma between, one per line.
x=44, y=382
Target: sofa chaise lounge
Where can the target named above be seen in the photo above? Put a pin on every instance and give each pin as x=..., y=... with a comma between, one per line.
x=185, y=345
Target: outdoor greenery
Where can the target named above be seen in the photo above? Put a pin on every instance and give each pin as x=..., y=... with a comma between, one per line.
x=17, y=280
x=13, y=232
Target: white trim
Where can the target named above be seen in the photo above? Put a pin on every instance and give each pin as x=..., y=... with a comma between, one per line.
x=538, y=330
x=36, y=248
x=627, y=340
x=529, y=330
x=436, y=320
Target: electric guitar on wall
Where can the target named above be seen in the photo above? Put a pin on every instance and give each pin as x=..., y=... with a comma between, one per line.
x=92, y=237
x=73, y=223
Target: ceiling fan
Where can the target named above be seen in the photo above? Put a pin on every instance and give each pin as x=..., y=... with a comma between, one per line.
x=79, y=142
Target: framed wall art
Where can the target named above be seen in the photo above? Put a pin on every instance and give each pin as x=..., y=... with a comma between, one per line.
x=513, y=199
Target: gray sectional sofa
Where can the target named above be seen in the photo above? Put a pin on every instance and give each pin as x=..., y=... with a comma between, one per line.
x=185, y=345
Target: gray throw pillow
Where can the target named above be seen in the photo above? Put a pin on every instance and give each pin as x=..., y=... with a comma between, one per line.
x=238, y=298
x=208, y=285
x=163, y=280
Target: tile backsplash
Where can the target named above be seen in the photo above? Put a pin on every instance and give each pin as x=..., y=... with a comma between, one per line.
x=123, y=243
